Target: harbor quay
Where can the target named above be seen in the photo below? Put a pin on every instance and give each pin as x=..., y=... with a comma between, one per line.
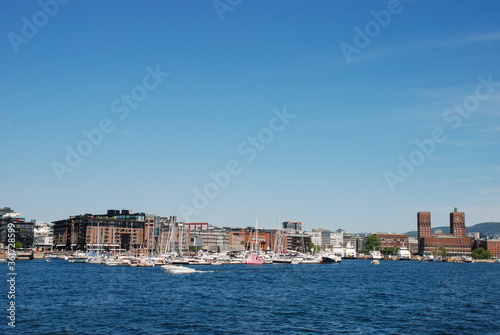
x=136, y=237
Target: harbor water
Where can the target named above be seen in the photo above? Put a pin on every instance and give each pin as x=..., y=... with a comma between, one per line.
x=354, y=297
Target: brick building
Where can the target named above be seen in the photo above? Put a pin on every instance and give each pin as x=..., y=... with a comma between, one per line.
x=112, y=231
x=24, y=231
x=493, y=246
x=392, y=240
x=455, y=243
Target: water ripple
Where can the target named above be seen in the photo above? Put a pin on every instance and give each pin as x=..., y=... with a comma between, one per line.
x=352, y=298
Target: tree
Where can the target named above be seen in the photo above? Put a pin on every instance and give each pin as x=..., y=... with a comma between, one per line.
x=372, y=242
x=390, y=251
x=313, y=247
x=442, y=251
x=18, y=245
x=480, y=253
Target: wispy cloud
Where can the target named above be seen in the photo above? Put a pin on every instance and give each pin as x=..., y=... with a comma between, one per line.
x=470, y=180
x=472, y=143
x=440, y=159
x=491, y=130
x=488, y=190
x=441, y=42
x=481, y=37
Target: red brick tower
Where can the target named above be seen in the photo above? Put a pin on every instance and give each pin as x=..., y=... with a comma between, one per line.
x=457, y=223
x=423, y=224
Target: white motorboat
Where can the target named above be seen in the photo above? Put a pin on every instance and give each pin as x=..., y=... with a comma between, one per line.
x=112, y=262
x=281, y=259
x=177, y=269
x=96, y=260
x=146, y=262
x=375, y=254
x=376, y=262
x=78, y=260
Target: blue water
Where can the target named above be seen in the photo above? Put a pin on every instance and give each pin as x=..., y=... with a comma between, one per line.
x=354, y=297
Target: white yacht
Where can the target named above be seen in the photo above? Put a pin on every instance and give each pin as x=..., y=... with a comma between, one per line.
x=404, y=254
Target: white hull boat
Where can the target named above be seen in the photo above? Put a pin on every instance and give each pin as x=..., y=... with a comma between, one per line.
x=177, y=269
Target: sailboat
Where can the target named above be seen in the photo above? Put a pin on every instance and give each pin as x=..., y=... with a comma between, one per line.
x=253, y=257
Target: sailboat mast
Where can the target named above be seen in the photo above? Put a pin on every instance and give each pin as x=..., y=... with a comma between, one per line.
x=256, y=235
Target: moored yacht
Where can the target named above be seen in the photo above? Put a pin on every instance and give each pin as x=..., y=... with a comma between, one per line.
x=404, y=254
x=253, y=258
x=331, y=258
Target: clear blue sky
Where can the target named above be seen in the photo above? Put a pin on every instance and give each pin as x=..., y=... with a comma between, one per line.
x=329, y=166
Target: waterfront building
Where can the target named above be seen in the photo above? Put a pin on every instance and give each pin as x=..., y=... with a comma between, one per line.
x=348, y=240
x=212, y=239
x=360, y=243
x=6, y=210
x=320, y=237
x=455, y=243
x=297, y=241
x=236, y=239
x=114, y=231
x=492, y=245
x=149, y=233
x=43, y=236
x=167, y=235
x=294, y=225
x=23, y=230
x=172, y=236
x=336, y=239
x=392, y=240
x=195, y=225
x=413, y=245
x=261, y=240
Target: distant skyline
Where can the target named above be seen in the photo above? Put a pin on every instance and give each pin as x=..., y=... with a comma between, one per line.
x=352, y=115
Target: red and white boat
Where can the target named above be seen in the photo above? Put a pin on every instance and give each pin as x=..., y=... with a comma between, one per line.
x=253, y=257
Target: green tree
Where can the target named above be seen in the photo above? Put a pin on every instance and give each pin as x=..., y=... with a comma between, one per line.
x=390, y=251
x=372, y=242
x=313, y=247
x=480, y=253
x=442, y=251
x=18, y=245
